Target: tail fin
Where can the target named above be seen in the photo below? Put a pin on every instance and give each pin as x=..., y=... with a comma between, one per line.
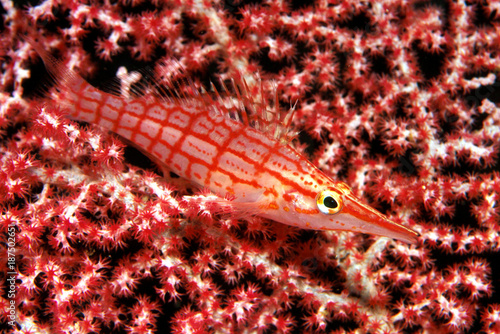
x=59, y=73
x=70, y=91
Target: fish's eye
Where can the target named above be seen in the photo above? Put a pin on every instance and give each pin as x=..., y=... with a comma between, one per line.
x=329, y=202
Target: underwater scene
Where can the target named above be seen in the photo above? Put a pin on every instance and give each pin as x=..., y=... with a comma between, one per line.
x=194, y=166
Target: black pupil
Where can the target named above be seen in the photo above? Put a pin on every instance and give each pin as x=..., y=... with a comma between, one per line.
x=330, y=202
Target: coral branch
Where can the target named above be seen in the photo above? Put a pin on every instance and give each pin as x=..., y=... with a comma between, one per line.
x=398, y=99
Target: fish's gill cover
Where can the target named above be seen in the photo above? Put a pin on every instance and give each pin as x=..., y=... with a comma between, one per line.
x=399, y=99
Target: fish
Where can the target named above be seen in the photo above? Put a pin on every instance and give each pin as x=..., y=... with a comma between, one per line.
x=256, y=166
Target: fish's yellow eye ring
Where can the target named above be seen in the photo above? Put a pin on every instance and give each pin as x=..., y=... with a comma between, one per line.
x=329, y=202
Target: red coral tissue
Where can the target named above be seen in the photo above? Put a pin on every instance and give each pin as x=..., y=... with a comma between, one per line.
x=400, y=99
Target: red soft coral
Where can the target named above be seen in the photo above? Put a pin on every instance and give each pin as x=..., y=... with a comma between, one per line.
x=395, y=98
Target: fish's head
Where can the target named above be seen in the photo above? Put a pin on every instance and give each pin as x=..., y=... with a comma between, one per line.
x=337, y=208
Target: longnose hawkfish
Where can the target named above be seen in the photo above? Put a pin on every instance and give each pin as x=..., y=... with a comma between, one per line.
x=199, y=142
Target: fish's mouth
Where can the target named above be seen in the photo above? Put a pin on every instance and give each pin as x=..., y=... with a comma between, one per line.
x=369, y=220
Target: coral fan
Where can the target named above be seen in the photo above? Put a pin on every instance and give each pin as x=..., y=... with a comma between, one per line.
x=397, y=98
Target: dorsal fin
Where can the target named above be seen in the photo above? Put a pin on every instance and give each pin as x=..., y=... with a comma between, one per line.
x=256, y=111
x=233, y=101
x=172, y=83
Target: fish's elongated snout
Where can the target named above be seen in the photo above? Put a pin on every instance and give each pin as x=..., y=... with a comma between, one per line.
x=369, y=220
